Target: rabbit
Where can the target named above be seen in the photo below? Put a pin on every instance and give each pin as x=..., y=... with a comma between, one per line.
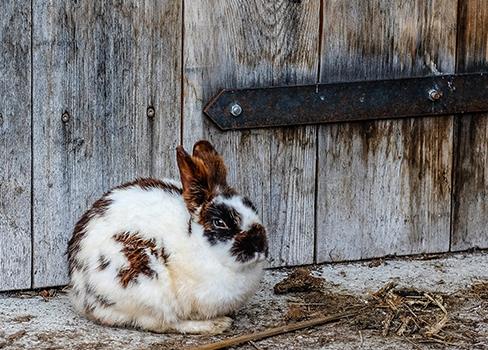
x=168, y=256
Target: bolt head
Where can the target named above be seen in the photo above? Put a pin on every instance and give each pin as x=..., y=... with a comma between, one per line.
x=434, y=94
x=235, y=109
x=150, y=112
x=65, y=117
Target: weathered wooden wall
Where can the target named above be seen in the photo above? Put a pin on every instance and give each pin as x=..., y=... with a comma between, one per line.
x=78, y=78
x=103, y=64
x=384, y=187
x=470, y=197
x=254, y=43
x=15, y=145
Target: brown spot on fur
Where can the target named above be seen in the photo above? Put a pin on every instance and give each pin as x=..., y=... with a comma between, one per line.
x=214, y=162
x=103, y=262
x=247, y=202
x=149, y=183
x=93, y=297
x=203, y=175
x=102, y=301
x=211, y=211
x=88, y=307
x=163, y=255
x=228, y=192
x=89, y=290
x=195, y=179
x=137, y=250
x=101, y=206
x=76, y=264
x=98, y=209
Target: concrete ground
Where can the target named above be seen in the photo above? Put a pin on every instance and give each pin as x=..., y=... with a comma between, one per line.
x=45, y=319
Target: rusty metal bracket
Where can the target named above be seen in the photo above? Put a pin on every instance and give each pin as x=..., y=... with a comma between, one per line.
x=234, y=109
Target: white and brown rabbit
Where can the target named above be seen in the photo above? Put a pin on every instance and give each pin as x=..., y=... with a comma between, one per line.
x=169, y=257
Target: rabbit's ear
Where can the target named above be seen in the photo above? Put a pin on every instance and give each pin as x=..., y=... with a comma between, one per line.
x=195, y=178
x=213, y=160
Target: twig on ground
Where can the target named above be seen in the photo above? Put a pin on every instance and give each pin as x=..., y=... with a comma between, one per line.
x=404, y=326
x=273, y=331
x=387, y=324
x=436, y=328
x=385, y=289
x=435, y=301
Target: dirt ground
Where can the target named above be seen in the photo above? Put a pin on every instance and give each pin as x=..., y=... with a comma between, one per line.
x=429, y=302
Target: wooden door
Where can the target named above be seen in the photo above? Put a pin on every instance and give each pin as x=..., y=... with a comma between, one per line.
x=15, y=145
x=384, y=187
x=258, y=43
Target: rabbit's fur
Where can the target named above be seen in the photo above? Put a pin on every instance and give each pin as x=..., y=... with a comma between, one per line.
x=167, y=256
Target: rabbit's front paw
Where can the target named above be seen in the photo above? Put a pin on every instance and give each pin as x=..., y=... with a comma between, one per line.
x=215, y=326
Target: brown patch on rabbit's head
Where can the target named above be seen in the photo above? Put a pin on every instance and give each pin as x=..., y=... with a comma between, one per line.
x=203, y=174
x=217, y=171
x=227, y=218
x=232, y=222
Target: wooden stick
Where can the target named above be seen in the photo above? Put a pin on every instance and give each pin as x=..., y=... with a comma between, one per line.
x=273, y=331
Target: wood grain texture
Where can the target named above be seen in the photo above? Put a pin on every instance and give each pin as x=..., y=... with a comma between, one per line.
x=470, y=196
x=258, y=43
x=384, y=187
x=104, y=63
x=15, y=145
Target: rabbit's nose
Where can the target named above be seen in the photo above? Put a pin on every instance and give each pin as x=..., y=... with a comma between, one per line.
x=256, y=246
x=257, y=238
x=260, y=245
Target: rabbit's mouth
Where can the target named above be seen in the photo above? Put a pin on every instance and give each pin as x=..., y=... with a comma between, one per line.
x=258, y=258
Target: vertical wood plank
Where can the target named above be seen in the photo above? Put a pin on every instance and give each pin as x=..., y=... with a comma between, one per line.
x=258, y=43
x=470, y=197
x=15, y=145
x=384, y=187
x=104, y=63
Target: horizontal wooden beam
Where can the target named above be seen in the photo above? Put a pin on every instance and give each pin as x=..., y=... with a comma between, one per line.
x=234, y=109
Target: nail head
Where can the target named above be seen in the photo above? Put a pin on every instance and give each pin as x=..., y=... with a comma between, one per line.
x=235, y=109
x=434, y=94
x=65, y=117
x=150, y=112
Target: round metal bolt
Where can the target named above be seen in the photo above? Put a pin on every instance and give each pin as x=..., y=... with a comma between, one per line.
x=434, y=94
x=65, y=117
x=150, y=112
x=235, y=109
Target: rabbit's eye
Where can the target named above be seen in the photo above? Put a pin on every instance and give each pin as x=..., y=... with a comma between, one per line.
x=219, y=223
